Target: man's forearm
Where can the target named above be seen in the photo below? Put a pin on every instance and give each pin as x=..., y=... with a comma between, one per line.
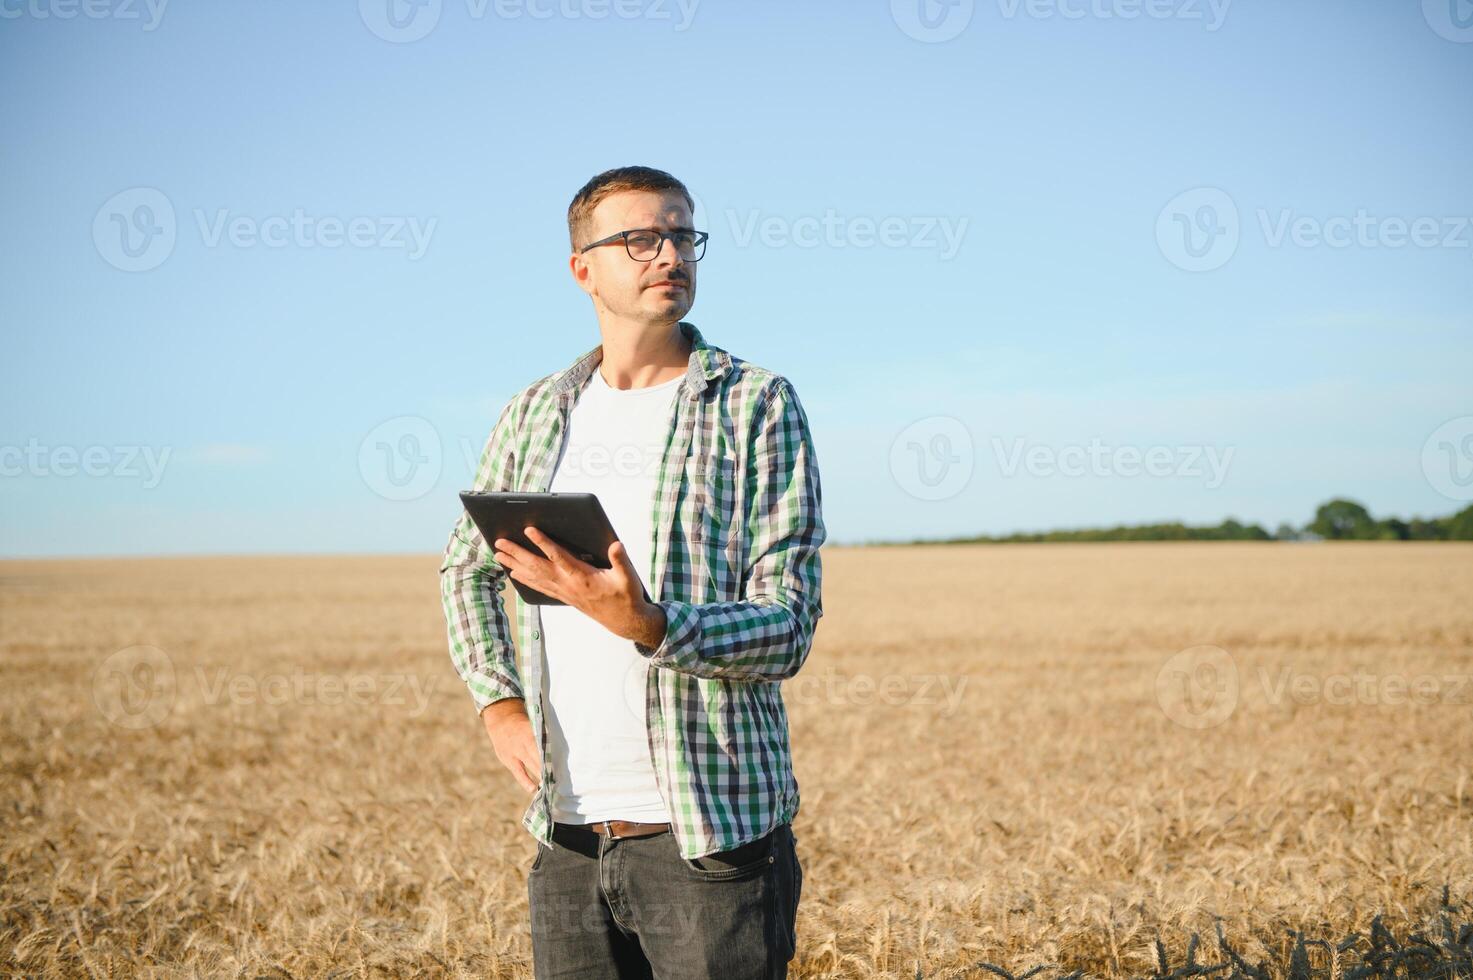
x=499, y=709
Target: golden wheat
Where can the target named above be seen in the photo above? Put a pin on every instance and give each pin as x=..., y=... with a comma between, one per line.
x=991, y=760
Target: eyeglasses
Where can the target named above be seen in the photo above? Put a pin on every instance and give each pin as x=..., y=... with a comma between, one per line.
x=643, y=244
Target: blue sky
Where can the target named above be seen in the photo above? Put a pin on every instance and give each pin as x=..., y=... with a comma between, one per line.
x=369, y=253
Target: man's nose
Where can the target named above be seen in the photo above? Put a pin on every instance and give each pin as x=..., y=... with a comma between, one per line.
x=669, y=255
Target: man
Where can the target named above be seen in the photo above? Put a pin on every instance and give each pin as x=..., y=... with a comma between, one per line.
x=651, y=732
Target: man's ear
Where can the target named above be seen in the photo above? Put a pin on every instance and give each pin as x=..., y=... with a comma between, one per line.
x=582, y=271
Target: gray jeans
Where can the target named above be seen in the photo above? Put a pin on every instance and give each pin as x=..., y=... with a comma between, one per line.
x=633, y=907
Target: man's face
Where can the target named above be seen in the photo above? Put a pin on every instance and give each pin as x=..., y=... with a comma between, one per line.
x=661, y=290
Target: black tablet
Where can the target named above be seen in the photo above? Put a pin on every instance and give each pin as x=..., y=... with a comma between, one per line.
x=574, y=520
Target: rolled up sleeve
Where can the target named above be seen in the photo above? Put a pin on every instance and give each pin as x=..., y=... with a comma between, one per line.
x=768, y=634
x=481, y=644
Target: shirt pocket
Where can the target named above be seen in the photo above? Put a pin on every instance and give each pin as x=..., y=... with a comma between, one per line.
x=717, y=492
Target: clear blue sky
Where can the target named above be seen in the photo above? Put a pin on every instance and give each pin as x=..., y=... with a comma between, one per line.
x=1061, y=314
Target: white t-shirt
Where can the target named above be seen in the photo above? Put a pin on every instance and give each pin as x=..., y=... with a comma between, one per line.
x=594, y=683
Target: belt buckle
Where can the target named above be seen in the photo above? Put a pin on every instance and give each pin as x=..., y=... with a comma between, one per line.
x=608, y=830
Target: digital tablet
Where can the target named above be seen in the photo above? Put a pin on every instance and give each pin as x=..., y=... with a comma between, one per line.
x=576, y=521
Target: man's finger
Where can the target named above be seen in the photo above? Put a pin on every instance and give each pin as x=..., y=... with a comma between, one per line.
x=515, y=550
x=529, y=782
x=555, y=552
x=619, y=557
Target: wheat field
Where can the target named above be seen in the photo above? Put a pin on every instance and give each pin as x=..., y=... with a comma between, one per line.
x=1022, y=754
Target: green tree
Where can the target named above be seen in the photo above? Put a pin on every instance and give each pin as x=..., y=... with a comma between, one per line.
x=1434, y=529
x=1341, y=519
x=1460, y=525
x=1393, y=529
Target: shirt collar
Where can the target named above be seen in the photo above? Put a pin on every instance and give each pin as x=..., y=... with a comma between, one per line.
x=707, y=366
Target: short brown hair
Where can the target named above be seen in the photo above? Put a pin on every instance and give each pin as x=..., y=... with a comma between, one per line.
x=580, y=212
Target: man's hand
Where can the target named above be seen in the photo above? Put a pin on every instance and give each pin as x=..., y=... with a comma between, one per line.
x=610, y=596
x=510, y=729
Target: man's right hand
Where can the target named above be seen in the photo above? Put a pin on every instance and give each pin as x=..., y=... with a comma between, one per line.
x=510, y=729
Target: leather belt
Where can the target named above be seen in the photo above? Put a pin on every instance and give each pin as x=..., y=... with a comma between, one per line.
x=617, y=829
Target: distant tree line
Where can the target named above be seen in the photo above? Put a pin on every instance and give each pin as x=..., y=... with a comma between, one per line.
x=1336, y=520
x=1348, y=520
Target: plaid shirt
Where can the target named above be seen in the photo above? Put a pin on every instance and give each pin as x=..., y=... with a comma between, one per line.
x=737, y=532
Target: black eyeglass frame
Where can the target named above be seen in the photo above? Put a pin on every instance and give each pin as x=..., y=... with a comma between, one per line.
x=699, y=244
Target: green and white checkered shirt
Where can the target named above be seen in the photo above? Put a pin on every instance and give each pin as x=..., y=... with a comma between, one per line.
x=737, y=532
